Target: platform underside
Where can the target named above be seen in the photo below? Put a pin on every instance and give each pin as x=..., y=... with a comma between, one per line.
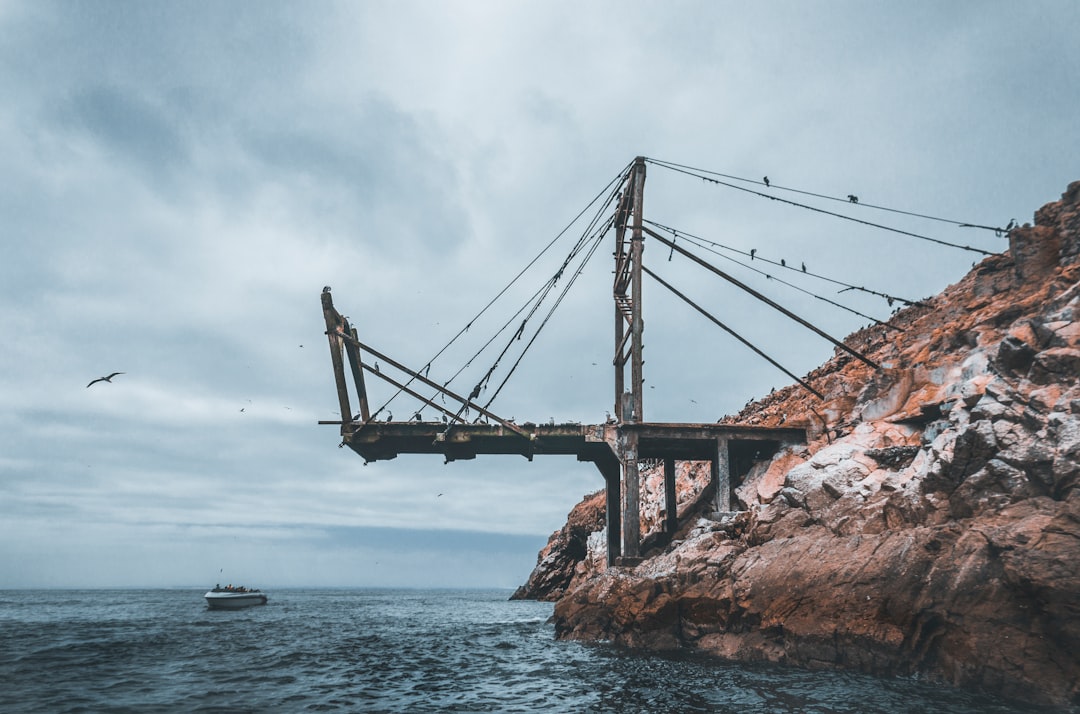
x=378, y=441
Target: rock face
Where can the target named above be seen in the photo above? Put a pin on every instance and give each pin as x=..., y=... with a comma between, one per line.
x=931, y=525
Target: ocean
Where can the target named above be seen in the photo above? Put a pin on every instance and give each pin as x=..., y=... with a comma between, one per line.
x=384, y=651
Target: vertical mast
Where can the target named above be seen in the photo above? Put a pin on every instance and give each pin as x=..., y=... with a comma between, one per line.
x=627, y=294
x=636, y=325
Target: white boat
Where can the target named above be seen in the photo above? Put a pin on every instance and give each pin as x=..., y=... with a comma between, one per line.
x=234, y=598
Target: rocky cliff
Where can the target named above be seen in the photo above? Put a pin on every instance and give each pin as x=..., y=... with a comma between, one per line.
x=930, y=526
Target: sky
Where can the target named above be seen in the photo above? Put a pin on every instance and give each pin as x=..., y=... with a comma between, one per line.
x=180, y=181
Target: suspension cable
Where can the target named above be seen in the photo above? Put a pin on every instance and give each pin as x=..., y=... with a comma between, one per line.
x=849, y=199
x=827, y=213
x=805, y=323
x=732, y=332
x=618, y=180
x=711, y=246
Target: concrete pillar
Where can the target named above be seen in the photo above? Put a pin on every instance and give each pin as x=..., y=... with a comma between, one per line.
x=721, y=476
x=631, y=487
x=671, y=524
x=614, y=516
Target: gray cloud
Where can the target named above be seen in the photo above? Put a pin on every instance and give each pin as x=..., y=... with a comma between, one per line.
x=181, y=181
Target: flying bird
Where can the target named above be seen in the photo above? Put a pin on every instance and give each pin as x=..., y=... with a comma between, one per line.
x=104, y=379
x=766, y=180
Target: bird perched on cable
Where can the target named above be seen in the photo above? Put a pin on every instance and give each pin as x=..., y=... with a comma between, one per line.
x=804, y=267
x=376, y=368
x=766, y=181
x=104, y=379
x=783, y=263
x=475, y=392
x=852, y=198
x=753, y=252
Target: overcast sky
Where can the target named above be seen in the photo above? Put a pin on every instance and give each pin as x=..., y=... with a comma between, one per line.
x=180, y=180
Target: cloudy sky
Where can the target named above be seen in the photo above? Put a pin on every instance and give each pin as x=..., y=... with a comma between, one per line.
x=180, y=180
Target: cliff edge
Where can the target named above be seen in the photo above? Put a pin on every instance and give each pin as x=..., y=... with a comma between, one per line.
x=930, y=526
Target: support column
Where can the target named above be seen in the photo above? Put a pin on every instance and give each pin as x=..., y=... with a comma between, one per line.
x=721, y=476
x=611, y=470
x=631, y=487
x=613, y=493
x=671, y=524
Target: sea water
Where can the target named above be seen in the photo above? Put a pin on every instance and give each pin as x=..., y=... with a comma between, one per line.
x=384, y=651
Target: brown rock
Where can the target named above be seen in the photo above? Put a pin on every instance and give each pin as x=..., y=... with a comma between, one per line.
x=933, y=525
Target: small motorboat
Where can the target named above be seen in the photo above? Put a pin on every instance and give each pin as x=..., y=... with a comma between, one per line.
x=233, y=598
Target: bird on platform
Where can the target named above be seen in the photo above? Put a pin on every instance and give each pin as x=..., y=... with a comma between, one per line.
x=415, y=417
x=766, y=180
x=445, y=420
x=389, y=417
x=326, y=288
x=104, y=379
x=852, y=198
x=753, y=252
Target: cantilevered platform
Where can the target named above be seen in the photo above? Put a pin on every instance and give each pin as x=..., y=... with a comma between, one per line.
x=378, y=441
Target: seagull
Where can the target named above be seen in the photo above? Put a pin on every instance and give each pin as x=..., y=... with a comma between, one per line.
x=766, y=180
x=104, y=379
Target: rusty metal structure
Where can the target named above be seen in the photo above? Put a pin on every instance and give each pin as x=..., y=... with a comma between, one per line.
x=616, y=447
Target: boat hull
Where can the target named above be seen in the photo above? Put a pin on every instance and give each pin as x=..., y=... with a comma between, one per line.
x=233, y=601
